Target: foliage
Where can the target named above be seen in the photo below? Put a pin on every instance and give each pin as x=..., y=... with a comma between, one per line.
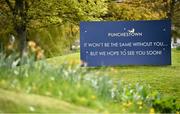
x=178, y=48
x=22, y=16
x=135, y=10
x=176, y=20
x=55, y=40
x=82, y=87
x=71, y=11
x=43, y=16
x=146, y=10
x=165, y=105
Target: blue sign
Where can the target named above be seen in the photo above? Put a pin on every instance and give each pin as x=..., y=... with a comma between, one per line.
x=125, y=43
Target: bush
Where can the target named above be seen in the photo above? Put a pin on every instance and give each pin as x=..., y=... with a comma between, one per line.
x=178, y=48
x=165, y=105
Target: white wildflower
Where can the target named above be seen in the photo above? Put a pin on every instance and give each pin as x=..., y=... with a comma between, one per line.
x=31, y=108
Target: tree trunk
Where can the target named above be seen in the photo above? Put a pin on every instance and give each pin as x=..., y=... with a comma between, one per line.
x=21, y=28
x=21, y=33
x=175, y=40
x=19, y=13
x=170, y=11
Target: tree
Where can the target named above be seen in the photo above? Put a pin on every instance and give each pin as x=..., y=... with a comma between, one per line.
x=18, y=13
x=175, y=16
x=136, y=10
x=24, y=15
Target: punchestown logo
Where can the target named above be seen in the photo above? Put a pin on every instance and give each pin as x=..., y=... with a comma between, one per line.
x=129, y=33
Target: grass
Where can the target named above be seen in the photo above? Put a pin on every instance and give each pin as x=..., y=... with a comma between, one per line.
x=74, y=85
x=21, y=102
x=165, y=79
x=69, y=88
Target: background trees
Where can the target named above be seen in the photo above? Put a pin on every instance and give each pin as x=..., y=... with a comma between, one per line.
x=54, y=24
x=22, y=16
x=146, y=10
x=176, y=20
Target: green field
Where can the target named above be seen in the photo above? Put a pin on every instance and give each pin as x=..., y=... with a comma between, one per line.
x=77, y=97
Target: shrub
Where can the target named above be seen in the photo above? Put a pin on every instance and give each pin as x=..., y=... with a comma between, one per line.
x=178, y=48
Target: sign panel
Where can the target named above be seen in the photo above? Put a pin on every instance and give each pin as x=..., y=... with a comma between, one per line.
x=126, y=43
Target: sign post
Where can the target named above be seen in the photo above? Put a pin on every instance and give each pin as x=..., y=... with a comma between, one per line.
x=126, y=43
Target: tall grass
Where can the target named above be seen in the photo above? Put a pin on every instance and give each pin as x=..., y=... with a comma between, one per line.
x=80, y=86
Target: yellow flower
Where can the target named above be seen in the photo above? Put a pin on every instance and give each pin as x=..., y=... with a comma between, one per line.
x=38, y=49
x=129, y=104
x=140, y=107
x=3, y=82
x=33, y=49
x=152, y=111
x=10, y=47
x=93, y=97
x=139, y=103
x=113, y=70
x=31, y=44
x=106, y=112
x=177, y=112
x=40, y=55
x=73, y=62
